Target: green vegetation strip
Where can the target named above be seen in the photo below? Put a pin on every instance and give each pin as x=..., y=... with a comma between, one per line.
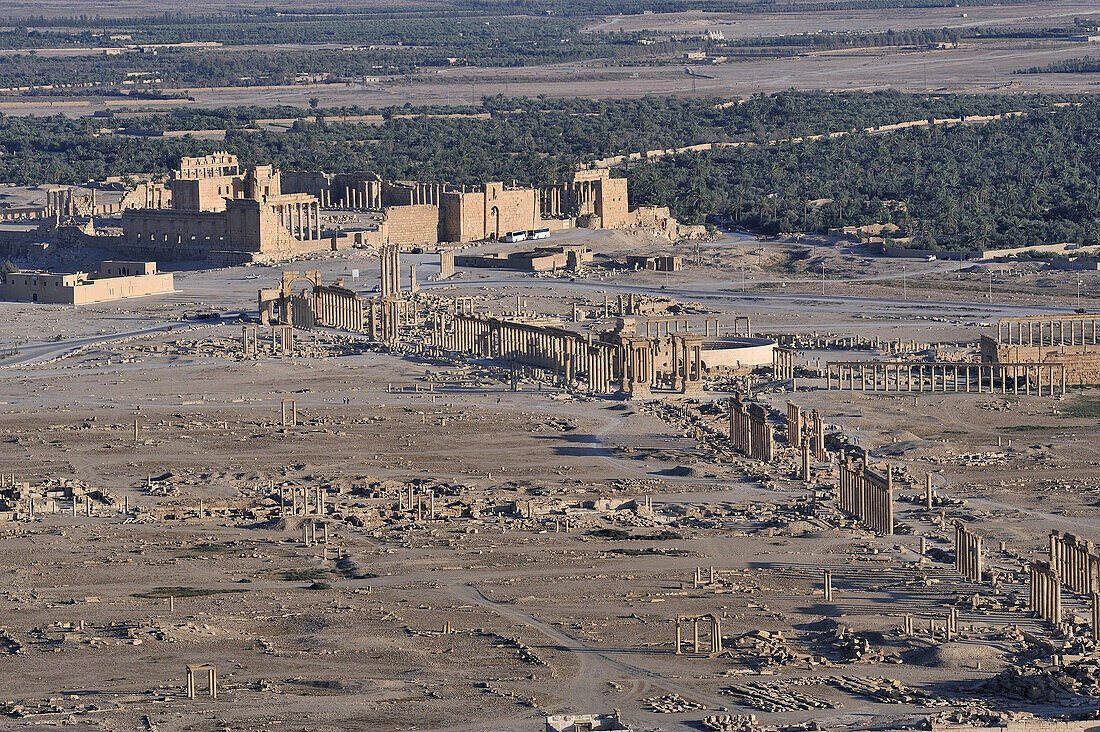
x=1013, y=182
x=163, y=593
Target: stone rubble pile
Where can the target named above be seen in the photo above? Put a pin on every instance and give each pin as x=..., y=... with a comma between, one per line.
x=1072, y=683
x=883, y=690
x=975, y=715
x=730, y=723
x=851, y=647
x=761, y=649
x=775, y=698
x=671, y=704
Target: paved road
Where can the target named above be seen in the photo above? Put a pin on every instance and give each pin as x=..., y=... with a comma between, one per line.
x=41, y=351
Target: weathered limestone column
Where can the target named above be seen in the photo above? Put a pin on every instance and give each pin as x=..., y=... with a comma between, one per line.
x=794, y=424
x=1095, y=611
x=818, y=436
x=805, y=459
x=968, y=553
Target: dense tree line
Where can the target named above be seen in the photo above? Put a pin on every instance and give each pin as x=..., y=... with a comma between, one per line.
x=180, y=68
x=425, y=23
x=1013, y=182
x=609, y=127
x=531, y=140
x=414, y=29
x=1083, y=65
x=836, y=41
x=390, y=41
x=636, y=7
x=418, y=9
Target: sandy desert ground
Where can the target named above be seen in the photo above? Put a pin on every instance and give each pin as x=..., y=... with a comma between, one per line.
x=547, y=612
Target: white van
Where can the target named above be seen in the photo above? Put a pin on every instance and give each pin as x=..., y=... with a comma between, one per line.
x=512, y=236
x=538, y=234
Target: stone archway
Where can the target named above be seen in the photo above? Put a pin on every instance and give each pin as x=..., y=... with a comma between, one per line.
x=297, y=308
x=492, y=229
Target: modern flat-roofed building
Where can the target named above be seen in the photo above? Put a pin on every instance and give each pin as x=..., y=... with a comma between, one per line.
x=114, y=280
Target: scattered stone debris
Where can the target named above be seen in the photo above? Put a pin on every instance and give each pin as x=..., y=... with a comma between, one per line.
x=775, y=698
x=847, y=646
x=1073, y=683
x=730, y=723
x=762, y=649
x=975, y=715
x=671, y=704
x=883, y=690
x=526, y=653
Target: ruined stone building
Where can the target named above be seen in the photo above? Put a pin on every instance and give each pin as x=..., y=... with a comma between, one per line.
x=416, y=213
x=214, y=210
x=1069, y=343
x=61, y=203
x=219, y=213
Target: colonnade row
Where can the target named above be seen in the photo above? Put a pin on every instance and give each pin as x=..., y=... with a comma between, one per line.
x=446, y=263
x=1075, y=562
x=715, y=632
x=782, y=364
x=59, y=202
x=626, y=305
x=671, y=326
x=303, y=220
x=282, y=340
x=385, y=318
x=565, y=200
x=750, y=434
x=968, y=553
x=1042, y=330
x=797, y=425
x=687, y=364
x=416, y=194
x=626, y=365
x=390, y=274
x=338, y=308
x=794, y=424
x=300, y=500
x=817, y=435
x=943, y=376
x=1045, y=599
x=570, y=355
x=364, y=195
x=868, y=496
x=298, y=311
